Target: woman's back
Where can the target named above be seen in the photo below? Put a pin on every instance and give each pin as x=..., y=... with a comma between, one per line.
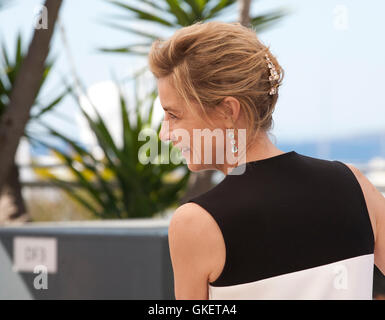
x=295, y=227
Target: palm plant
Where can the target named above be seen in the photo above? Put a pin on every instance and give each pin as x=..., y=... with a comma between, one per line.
x=173, y=14
x=119, y=185
x=24, y=92
x=10, y=67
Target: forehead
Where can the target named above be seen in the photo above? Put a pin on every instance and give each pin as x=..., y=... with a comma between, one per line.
x=168, y=96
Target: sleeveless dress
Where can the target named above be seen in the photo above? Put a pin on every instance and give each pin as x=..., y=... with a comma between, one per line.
x=294, y=227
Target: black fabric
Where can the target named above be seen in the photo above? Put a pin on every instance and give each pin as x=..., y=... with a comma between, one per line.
x=288, y=213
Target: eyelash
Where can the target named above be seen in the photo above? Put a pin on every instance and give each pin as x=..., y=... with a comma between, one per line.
x=172, y=116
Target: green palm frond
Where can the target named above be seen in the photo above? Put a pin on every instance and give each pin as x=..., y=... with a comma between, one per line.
x=10, y=66
x=172, y=15
x=133, y=189
x=261, y=22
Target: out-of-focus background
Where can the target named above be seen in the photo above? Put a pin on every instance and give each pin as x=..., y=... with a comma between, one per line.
x=80, y=103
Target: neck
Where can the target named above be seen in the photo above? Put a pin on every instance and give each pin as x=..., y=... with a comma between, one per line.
x=261, y=148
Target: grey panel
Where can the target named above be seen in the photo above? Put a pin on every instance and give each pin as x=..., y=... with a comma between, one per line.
x=95, y=263
x=12, y=285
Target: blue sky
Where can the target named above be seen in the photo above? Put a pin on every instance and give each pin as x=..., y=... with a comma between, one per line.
x=331, y=51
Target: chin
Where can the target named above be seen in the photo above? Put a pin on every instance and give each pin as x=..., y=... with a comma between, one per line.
x=199, y=167
x=196, y=167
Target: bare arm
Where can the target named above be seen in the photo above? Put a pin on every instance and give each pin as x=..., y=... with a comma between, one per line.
x=191, y=249
x=375, y=202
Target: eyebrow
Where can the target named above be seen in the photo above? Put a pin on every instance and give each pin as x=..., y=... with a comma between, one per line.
x=170, y=109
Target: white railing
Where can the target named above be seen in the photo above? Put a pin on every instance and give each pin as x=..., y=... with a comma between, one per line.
x=364, y=168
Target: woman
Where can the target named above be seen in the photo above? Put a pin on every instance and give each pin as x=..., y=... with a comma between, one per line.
x=280, y=225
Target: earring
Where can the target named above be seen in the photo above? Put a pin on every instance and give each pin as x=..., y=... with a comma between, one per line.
x=232, y=141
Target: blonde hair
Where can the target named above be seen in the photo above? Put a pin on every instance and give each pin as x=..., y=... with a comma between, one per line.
x=208, y=61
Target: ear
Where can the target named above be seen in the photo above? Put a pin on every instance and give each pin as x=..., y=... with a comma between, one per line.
x=231, y=110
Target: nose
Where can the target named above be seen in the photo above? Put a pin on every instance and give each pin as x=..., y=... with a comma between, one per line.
x=164, y=133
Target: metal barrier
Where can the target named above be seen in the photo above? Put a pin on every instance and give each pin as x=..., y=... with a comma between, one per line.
x=125, y=259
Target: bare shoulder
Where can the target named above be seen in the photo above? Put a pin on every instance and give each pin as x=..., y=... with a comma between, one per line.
x=192, y=221
x=194, y=231
x=190, y=215
x=375, y=201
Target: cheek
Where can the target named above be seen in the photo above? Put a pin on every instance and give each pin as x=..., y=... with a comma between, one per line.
x=215, y=147
x=219, y=148
x=184, y=136
x=207, y=146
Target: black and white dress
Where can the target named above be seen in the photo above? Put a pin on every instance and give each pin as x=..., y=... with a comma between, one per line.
x=295, y=227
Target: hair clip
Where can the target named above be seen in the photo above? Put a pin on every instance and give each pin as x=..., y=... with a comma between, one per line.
x=273, y=75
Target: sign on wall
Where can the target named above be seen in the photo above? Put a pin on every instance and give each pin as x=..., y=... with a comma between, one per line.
x=32, y=252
